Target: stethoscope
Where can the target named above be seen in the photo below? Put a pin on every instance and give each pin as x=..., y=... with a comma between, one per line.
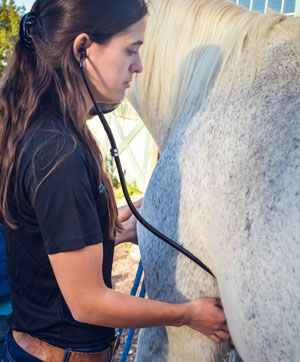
x=115, y=154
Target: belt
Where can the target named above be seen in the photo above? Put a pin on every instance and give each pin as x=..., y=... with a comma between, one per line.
x=49, y=353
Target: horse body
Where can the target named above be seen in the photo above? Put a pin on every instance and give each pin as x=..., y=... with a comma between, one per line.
x=227, y=188
x=256, y=240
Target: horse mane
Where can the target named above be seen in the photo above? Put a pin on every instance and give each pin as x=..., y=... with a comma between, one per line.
x=188, y=44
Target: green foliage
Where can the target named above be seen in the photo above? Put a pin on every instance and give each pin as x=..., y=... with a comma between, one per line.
x=10, y=16
x=115, y=181
x=131, y=188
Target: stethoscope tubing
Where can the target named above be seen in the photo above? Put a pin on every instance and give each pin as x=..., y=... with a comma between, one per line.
x=115, y=155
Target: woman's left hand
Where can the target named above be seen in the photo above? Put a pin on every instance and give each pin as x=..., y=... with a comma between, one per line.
x=129, y=223
x=129, y=232
x=124, y=212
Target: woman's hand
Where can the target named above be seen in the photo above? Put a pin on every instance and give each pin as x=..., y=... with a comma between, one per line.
x=206, y=315
x=124, y=212
x=128, y=223
x=129, y=232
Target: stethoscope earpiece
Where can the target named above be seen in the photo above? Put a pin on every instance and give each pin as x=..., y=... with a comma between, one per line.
x=82, y=52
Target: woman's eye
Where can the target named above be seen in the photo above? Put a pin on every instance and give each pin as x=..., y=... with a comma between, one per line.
x=132, y=52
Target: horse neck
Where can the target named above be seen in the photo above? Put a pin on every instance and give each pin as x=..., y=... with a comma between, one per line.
x=184, y=60
x=159, y=126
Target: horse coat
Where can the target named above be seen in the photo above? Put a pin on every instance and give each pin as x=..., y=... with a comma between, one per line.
x=224, y=110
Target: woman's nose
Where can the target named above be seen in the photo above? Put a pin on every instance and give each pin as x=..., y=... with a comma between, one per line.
x=137, y=67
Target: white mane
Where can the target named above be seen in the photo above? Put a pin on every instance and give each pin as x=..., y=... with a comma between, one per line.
x=200, y=38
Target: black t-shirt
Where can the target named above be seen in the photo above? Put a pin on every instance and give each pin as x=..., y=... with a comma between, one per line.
x=68, y=213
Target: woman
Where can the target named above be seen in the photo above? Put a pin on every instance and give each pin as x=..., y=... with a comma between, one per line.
x=60, y=226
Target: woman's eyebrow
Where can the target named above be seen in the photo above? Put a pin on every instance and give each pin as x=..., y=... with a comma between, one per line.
x=139, y=42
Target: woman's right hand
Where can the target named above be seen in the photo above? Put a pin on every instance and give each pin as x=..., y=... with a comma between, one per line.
x=206, y=315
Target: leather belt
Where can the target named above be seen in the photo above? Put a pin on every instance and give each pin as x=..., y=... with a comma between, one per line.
x=49, y=353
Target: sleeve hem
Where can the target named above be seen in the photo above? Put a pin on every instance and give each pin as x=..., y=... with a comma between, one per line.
x=74, y=244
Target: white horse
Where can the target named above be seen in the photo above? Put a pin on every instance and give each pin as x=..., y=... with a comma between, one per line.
x=220, y=93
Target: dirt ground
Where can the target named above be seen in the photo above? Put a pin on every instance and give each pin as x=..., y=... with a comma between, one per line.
x=125, y=266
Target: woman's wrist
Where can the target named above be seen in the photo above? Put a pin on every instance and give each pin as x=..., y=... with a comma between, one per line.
x=182, y=311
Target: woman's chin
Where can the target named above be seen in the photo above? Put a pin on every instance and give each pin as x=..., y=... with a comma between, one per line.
x=114, y=99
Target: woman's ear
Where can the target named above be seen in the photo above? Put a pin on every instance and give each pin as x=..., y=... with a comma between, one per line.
x=82, y=41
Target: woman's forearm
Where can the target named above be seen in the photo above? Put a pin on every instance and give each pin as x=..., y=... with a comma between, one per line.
x=114, y=309
x=79, y=276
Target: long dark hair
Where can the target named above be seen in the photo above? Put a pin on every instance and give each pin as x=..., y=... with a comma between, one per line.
x=51, y=72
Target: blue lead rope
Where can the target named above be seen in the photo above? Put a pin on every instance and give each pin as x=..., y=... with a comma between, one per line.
x=133, y=291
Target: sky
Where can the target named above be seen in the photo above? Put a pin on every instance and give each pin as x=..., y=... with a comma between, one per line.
x=257, y=4
x=26, y=3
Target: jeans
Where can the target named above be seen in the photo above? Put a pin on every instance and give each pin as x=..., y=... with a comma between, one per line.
x=3, y=332
x=234, y=357
x=14, y=353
